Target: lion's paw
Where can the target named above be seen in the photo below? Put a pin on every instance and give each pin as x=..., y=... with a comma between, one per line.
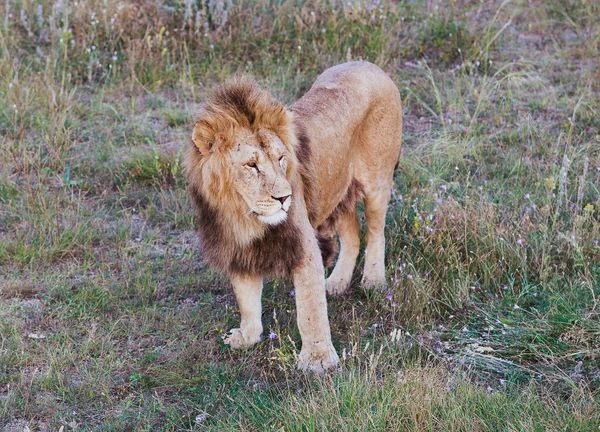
x=374, y=281
x=318, y=363
x=336, y=286
x=236, y=339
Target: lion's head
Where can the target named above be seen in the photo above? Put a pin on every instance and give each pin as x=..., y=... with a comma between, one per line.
x=243, y=159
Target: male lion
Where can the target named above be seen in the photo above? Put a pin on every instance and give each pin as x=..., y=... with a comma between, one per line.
x=272, y=184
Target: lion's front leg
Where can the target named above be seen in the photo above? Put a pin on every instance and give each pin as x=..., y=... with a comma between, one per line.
x=248, y=291
x=318, y=353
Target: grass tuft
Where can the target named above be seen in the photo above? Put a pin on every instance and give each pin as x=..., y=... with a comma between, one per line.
x=110, y=320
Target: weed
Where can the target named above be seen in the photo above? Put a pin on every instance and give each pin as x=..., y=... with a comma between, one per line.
x=110, y=320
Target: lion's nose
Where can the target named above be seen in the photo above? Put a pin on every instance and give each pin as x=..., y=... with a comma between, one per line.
x=282, y=199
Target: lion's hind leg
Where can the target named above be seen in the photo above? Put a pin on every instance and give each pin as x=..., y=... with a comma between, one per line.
x=248, y=292
x=376, y=202
x=349, y=235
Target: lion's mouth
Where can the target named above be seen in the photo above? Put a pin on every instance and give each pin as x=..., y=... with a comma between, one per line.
x=274, y=219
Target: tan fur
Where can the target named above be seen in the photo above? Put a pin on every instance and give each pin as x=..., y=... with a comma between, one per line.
x=340, y=144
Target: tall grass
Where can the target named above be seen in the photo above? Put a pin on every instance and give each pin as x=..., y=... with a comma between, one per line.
x=109, y=319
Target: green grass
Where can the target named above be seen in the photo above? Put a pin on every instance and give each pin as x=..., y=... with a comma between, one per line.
x=417, y=399
x=110, y=320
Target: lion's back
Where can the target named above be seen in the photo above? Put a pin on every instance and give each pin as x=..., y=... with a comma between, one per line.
x=348, y=107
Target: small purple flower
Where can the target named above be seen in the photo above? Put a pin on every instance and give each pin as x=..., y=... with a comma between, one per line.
x=527, y=196
x=272, y=335
x=389, y=297
x=292, y=293
x=596, y=241
x=533, y=206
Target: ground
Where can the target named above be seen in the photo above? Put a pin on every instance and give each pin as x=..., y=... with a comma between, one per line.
x=110, y=320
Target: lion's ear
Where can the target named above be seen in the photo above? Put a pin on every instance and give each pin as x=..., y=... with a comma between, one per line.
x=204, y=144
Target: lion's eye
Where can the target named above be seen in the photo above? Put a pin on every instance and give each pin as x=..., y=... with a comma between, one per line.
x=281, y=160
x=252, y=165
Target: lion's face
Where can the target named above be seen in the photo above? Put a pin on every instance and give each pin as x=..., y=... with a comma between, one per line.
x=259, y=165
x=243, y=159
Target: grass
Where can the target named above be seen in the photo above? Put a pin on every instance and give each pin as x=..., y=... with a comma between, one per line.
x=109, y=319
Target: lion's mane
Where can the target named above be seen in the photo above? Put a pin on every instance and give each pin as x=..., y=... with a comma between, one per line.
x=230, y=240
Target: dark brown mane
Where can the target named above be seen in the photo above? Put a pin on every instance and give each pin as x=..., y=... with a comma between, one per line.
x=241, y=103
x=276, y=253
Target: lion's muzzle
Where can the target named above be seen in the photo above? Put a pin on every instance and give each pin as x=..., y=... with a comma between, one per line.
x=279, y=213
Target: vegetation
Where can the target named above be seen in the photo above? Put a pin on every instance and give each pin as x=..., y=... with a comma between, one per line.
x=110, y=321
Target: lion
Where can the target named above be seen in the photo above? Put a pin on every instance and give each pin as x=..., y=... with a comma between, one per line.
x=271, y=186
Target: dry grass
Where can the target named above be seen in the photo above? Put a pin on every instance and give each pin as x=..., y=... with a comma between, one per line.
x=109, y=320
